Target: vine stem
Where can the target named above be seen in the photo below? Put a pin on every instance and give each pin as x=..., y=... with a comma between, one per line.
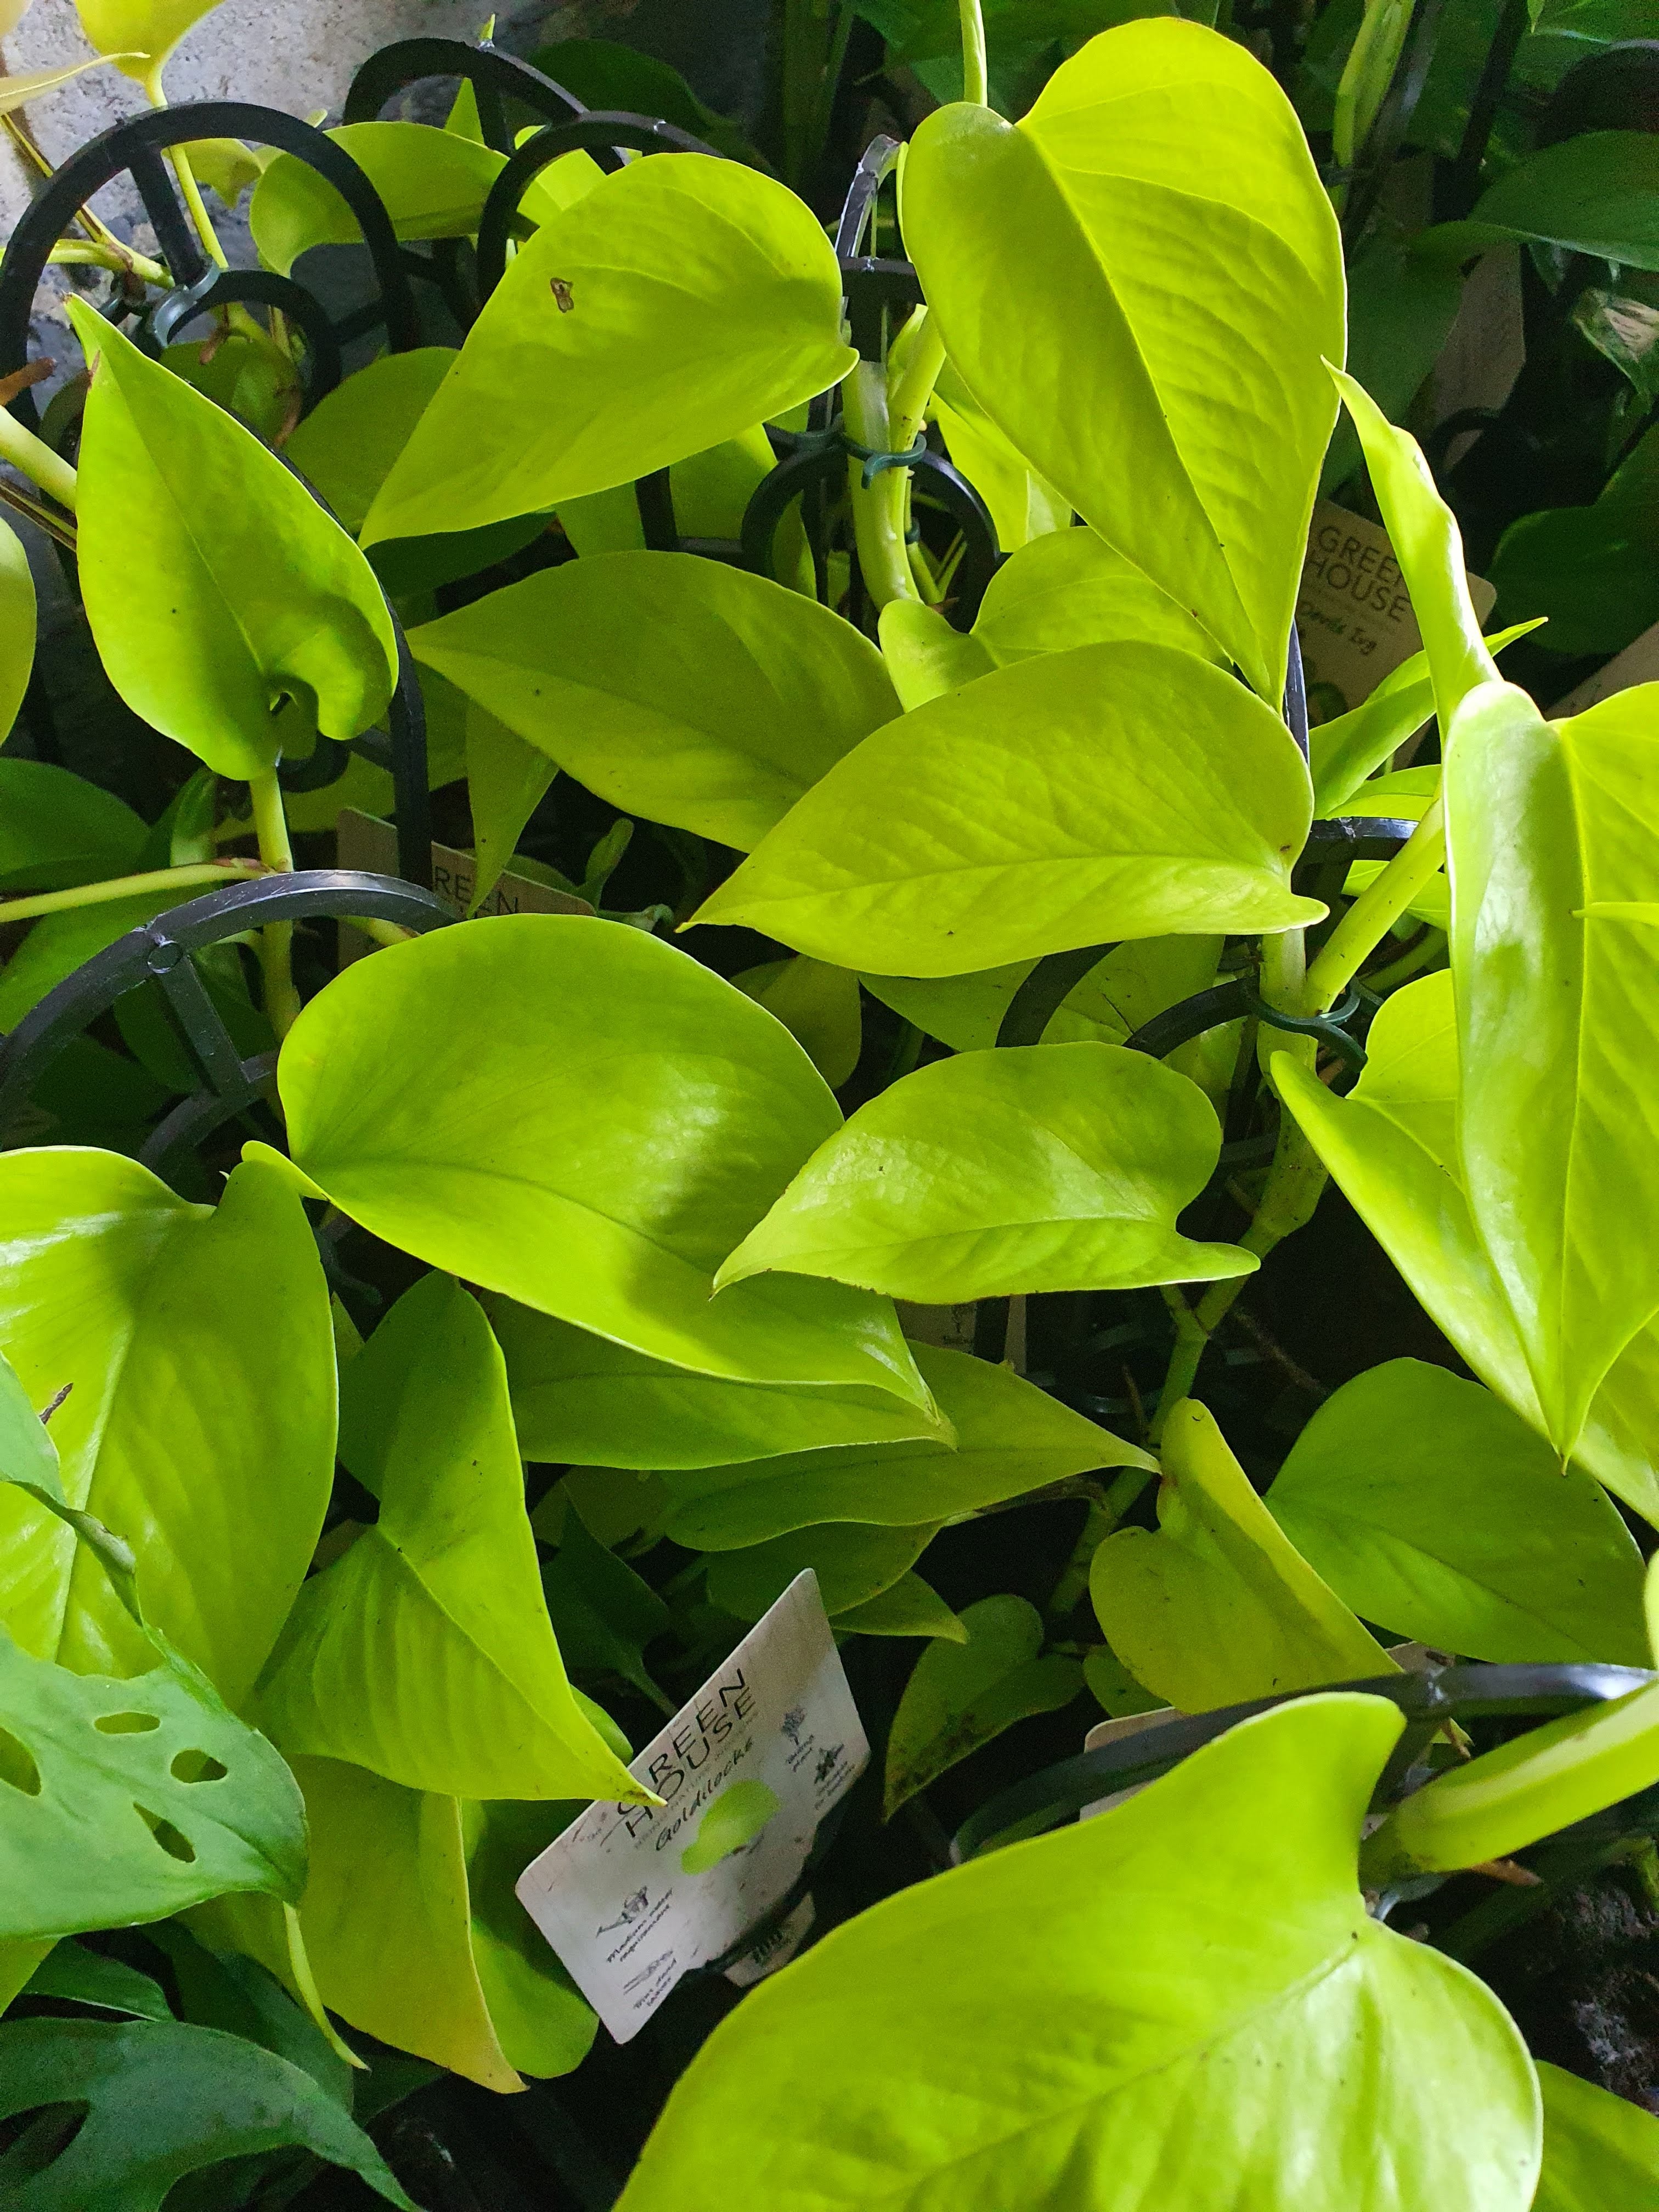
x=1376, y=911
x=1105, y=1511
x=276, y=938
x=194, y=873
x=179, y=157
x=90, y=253
x=975, y=73
x=36, y=460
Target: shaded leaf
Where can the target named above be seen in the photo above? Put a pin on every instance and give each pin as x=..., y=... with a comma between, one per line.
x=908, y=1606
x=853, y=1564
x=17, y=617
x=819, y=1007
x=1600, y=2151
x=961, y=1695
x=1131, y=984
x=57, y=829
x=602, y=1613
x=84, y=1976
x=542, y=2023
x=347, y=443
x=1068, y=587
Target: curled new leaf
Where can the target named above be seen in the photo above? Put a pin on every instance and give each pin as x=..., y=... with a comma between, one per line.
x=1054, y=1168
x=1029, y=815
x=216, y=587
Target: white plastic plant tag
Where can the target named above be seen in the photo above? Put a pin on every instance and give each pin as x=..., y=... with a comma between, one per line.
x=634, y=1897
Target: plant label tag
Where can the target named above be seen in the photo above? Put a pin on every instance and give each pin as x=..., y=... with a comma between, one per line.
x=633, y=1897
x=363, y=841
x=1353, y=614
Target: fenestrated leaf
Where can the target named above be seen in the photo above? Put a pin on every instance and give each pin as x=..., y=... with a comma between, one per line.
x=432, y=182
x=1010, y=1437
x=1068, y=587
x=346, y=446
x=164, y=2100
x=17, y=620
x=1601, y=2152
x=582, y=1400
x=57, y=829
x=200, y=1421
x=425, y=1653
x=1558, y=1017
x=1218, y=1606
x=1166, y=2007
x=617, y=1185
x=391, y=1949
x=681, y=689
x=853, y=1564
x=693, y=299
x=1391, y=1143
x=993, y=1174
x=216, y=586
x=1045, y=250
x=127, y=1800
x=960, y=1695
x=1432, y=1510
x=1029, y=814
x=908, y=1606
x=819, y=1007
x=1132, y=983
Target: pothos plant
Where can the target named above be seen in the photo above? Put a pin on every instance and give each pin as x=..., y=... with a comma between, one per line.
x=304, y=1723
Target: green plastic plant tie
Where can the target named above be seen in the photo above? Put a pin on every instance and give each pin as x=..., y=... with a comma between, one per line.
x=1328, y=1026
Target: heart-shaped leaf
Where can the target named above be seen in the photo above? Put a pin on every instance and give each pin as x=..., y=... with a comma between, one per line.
x=163, y=2099
x=1432, y=1510
x=1057, y=1167
x=612, y=1191
x=1218, y=1606
x=199, y=1422
x=215, y=586
x=581, y=1400
x=1030, y=814
x=1009, y=1438
x=1044, y=249
x=679, y=689
x=1392, y=1145
x=425, y=1653
x=676, y=305
x=961, y=1695
x=1169, y=2005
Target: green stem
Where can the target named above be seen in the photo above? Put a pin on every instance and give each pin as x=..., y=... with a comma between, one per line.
x=975, y=73
x=37, y=460
x=1428, y=947
x=179, y=157
x=1376, y=911
x=1104, y=1515
x=878, y=510
x=276, y=938
x=90, y=253
x=120, y=887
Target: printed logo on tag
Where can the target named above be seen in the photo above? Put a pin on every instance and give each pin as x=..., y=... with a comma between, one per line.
x=633, y=1897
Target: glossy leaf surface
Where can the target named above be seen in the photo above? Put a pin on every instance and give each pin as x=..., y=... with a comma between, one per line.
x=704, y=298
x=1026, y=816
x=216, y=586
x=164, y=2099
x=1050, y=1168
x=1558, y=1013
x=57, y=829
x=1010, y=1437
x=1433, y=1510
x=659, y=1112
x=1109, y=2019
x=677, y=687
x=200, y=1422
x=580, y=1399
x=1046, y=250
x=961, y=1695
x=1218, y=1606
x=425, y=1654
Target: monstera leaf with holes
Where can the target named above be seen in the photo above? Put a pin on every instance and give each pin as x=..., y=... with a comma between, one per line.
x=1181, y=2004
